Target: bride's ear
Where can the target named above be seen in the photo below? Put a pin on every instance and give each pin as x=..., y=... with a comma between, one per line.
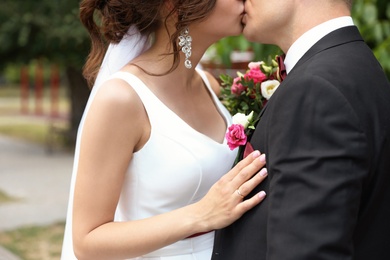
x=170, y=8
x=170, y=12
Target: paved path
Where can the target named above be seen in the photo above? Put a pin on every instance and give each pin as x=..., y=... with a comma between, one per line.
x=39, y=181
x=6, y=255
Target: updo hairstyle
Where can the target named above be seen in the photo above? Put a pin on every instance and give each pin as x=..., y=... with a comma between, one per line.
x=107, y=21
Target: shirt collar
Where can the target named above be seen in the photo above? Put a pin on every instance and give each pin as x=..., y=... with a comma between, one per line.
x=309, y=38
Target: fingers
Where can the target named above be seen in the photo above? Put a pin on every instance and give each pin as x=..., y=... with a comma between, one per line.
x=249, y=185
x=239, y=193
x=224, y=203
x=241, y=165
x=250, y=203
x=248, y=171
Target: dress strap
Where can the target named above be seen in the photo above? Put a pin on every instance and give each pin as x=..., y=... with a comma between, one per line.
x=219, y=105
x=206, y=82
x=157, y=111
x=149, y=100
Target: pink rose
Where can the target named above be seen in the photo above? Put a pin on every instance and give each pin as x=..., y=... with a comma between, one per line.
x=236, y=136
x=237, y=88
x=256, y=75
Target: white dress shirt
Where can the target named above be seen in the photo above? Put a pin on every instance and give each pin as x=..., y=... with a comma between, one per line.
x=309, y=38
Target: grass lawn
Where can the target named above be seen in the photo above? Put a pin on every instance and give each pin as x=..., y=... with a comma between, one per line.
x=32, y=132
x=4, y=198
x=36, y=242
x=30, y=126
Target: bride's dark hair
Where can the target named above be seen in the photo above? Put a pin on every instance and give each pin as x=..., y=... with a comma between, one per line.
x=107, y=21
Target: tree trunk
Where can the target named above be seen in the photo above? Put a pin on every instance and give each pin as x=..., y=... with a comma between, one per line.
x=79, y=93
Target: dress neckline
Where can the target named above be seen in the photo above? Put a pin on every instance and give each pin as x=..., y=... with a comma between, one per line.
x=183, y=122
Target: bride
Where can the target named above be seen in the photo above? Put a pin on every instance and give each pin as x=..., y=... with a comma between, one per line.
x=152, y=173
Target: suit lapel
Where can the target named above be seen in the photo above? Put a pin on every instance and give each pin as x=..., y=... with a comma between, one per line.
x=341, y=36
x=338, y=37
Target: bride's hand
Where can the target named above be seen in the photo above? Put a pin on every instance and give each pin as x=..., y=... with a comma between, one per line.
x=224, y=203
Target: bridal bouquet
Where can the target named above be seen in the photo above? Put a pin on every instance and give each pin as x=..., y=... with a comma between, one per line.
x=245, y=95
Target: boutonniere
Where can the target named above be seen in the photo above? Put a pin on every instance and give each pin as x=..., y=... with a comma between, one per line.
x=244, y=96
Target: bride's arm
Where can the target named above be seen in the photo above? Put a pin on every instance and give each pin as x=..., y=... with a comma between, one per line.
x=109, y=138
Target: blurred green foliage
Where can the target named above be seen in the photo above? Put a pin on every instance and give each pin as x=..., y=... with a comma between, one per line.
x=12, y=71
x=221, y=50
x=372, y=17
x=45, y=30
x=50, y=30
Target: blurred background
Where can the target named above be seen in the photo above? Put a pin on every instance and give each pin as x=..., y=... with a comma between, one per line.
x=43, y=47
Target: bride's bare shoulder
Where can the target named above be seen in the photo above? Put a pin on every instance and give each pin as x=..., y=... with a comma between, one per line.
x=118, y=93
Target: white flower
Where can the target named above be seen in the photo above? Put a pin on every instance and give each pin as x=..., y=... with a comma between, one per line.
x=255, y=65
x=268, y=88
x=242, y=119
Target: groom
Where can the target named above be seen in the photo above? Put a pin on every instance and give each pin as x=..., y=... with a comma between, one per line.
x=326, y=134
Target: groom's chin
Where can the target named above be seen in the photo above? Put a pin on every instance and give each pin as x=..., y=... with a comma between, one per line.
x=247, y=33
x=242, y=28
x=251, y=35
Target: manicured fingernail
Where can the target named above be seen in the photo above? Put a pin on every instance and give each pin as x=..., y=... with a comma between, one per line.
x=255, y=154
x=262, y=158
x=262, y=194
x=263, y=172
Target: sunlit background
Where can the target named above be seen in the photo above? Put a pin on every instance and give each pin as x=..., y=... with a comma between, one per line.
x=42, y=96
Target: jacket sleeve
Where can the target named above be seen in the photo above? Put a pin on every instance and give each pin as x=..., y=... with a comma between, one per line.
x=317, y=156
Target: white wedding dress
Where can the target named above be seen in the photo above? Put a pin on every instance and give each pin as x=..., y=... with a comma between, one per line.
x=176, y=167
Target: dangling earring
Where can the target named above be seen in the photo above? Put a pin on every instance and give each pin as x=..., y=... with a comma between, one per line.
x=185, y=41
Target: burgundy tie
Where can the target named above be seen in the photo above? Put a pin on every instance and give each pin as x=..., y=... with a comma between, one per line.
x=282, y=67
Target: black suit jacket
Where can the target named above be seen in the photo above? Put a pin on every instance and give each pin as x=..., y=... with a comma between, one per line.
x=326, y=135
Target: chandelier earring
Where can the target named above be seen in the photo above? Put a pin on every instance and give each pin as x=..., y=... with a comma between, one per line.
x=185, y=41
